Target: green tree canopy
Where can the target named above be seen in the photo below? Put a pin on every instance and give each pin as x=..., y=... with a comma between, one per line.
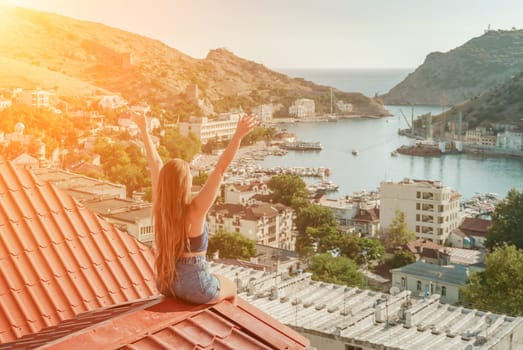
x=499, y=288
x=401, y=258
x=316, y=227
x=340, y=270
x=398, y=232
x=231, y=245
x=180, y=146
x=507, y=221
x=290, y=190
x=362, y=250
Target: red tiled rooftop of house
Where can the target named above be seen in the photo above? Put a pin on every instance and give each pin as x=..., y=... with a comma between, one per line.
x=58, y=259
x=69, y=280
x=475, y=226
x=368, y=215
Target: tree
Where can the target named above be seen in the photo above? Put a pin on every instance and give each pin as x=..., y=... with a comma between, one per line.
x=317, y=228
x=180, y=146
x=401, y=258
x=398, y=232
x=200, y=178
x=231, y=245
x=507, y=222
x=290, y=190
x=363, y=250
x=499, y=288
x=340, y=270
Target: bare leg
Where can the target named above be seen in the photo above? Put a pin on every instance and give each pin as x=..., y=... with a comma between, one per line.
x=227, y=290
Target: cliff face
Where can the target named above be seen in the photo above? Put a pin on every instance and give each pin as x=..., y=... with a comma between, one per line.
x=141, y=68
x=463, y=72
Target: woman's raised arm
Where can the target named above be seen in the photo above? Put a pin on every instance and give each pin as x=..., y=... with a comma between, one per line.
x=153, y=158
x=205, y=198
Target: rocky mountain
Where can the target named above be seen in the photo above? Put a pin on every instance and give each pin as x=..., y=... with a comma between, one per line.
x=501, y=104
x=140, y=68
x=462, y=73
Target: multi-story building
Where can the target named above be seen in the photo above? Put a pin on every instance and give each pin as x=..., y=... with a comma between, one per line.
x=34, y=98
x=4, y=103
x=205, y=129
x=302, y=108
x=243, y=193
x=264, y=112
x=431, y=209
x=344, y=107
x=267, y=224
x=480, y=136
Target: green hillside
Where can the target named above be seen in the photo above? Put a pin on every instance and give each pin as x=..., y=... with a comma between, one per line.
x=141, y=68
x=462, y=73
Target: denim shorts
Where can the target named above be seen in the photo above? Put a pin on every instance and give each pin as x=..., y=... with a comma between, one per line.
x=194, y=283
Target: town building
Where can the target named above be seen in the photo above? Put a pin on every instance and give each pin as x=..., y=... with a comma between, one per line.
x=264, y=112
x=206, y=129
x=267, y=224
x=344, y=107
x=34, y=98
x=480, y=136
x=79, y=186
x=244, y=193
x=128, y=215
x=511, y=140
x=337, y=317
x=431, y=209
x=25, y=161
x=303, y=108
x=5, y=103
x=112, y=102
x=424, y=279
x=471, y=233
x=367, y=222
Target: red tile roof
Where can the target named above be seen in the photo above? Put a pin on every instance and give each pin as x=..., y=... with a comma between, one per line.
x=475, y=226
x=58, y=259
x=368, y=215
x=171, y=324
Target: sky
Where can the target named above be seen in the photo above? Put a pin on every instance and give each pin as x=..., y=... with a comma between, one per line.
x=302, y=33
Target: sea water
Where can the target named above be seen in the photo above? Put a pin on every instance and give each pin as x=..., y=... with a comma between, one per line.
x=375, y=139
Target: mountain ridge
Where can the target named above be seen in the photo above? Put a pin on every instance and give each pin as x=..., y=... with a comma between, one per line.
x=144, y=69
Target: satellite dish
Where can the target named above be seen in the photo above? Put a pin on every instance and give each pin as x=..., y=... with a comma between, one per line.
x=394, y=291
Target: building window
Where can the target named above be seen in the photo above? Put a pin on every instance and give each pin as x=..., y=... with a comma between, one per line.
x=418, y=194
x=403, y=282
x=443, y=291
x=418, y=285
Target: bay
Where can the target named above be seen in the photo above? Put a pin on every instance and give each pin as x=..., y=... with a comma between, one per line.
x=375, y=139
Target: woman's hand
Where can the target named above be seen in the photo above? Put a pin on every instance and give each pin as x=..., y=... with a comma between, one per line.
x=245, y=125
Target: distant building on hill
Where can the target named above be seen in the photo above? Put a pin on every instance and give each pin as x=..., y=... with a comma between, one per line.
x=431, y=209
x=34, y=98
x=344, y=107
x=264, y=112
x=206, y=129
x=303, y=108
x=5, y=103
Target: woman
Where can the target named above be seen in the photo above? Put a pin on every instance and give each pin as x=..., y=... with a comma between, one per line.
x=181, y=234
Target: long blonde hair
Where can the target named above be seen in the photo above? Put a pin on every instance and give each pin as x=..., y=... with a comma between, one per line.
x=170, y=211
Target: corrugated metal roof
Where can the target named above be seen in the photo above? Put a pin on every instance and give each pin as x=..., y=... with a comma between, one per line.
x=57, y=259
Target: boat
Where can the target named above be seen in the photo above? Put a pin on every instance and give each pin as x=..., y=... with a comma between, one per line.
x=394, y=153
x=302, y=146
x=355, y=152
x=332, y=117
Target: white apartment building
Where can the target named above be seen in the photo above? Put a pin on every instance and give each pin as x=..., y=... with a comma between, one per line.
x=243, y=193
x=344, y=107
x=5, y=103
x=205, y=129
x=303, y=108
x=34, y=98
x=264, y=112
x=431, y=209
x=267, y=224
